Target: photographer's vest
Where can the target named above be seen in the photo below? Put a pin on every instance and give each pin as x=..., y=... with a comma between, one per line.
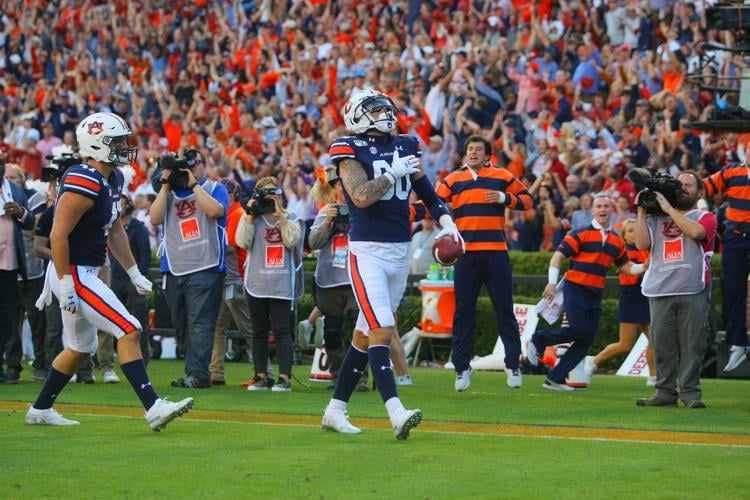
x=271, y=270
x=333, y=261
x=191, y=238
x=678, y=263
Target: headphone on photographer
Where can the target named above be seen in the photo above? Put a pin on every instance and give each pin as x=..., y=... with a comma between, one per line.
x=129, y=205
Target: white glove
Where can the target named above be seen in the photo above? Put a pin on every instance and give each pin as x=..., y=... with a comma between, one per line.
x=401, y=167
x=68, y=295
x=449, y=227
x=142, y=285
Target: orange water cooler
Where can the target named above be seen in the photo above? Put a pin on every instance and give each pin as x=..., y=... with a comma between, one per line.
x=438, y=306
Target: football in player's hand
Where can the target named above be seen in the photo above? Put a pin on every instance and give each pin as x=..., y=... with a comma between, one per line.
x=446, y=250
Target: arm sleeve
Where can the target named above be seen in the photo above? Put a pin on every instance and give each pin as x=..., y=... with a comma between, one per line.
x=291, y=234
x=714, y=183
x=245, y=234
x=27, y=222
x=340, y=150
x=319, y=235
x=80, y=182
x=709, y=223
x=622, y=257
x=569, y=245
x=221, y=195
x=427, y=194
x=517, y=196
x=233, y=221
x=444, y=191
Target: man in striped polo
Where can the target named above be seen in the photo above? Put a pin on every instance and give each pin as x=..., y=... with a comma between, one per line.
x=733, y=181
x=592, y=251
x=479, y=194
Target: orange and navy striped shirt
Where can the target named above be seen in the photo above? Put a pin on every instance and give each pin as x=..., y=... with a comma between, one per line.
x=591, y=256
x=482, y=223
x=638, y=257
x=734, y=182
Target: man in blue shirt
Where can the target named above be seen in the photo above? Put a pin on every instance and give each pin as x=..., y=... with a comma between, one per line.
x=194, y=214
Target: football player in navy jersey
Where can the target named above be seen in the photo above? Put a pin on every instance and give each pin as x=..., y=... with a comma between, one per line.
x=87, y=220
x=378, y=170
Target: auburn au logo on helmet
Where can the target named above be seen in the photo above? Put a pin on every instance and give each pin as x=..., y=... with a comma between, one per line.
x=95, y=128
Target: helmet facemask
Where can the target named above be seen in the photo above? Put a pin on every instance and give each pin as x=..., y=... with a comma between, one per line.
x=379, y=111
x=123, y=150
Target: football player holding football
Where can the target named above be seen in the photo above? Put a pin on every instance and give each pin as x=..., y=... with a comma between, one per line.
x=378, y=169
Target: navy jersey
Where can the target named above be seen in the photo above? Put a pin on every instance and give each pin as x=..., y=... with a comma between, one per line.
x=386, y=220
x=88, y=240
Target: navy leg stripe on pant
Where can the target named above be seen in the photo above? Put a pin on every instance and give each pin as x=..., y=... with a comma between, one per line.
x=583, y=310
x=735, y=267
x=474, y=269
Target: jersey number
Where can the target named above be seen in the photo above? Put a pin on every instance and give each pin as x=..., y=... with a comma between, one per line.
x=400, y=189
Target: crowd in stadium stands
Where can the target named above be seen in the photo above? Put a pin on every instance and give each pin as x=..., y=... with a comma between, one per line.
x=571, y=93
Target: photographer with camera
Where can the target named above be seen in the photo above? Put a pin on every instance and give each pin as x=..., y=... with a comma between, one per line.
x=273, y=238
x=680, y=238
x=193, y=210
x=234, y=298
x=333, y=293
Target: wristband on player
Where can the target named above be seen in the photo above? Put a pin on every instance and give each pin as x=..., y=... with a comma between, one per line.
x=502, y=197
x=553, y=273
x=133, y=272
x=391, y=178
x=636, y=269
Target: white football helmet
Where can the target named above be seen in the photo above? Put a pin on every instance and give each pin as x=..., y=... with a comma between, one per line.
x=370, y=109
x=107, y=138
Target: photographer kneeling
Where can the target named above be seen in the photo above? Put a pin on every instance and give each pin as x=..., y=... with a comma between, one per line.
x=273, y=238
x=193, y=255
x=333, y=296
x=677, y=283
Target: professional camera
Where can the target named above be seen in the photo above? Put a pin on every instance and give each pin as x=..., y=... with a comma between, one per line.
x=649, y=184
x=263, y=203
x=60, y=163
x=341, y=222
x=179, y=178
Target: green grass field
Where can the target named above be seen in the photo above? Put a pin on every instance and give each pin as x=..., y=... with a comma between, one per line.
x=489, y=442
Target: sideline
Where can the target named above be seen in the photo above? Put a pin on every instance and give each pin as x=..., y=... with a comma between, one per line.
x=504, y=430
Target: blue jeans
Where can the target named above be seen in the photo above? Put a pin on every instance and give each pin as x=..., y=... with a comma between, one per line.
x=195, y=299
x=735, y=268
x=491, y=268
x=583, y=308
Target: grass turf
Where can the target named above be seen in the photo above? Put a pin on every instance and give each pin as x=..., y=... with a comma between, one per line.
x=110, y=456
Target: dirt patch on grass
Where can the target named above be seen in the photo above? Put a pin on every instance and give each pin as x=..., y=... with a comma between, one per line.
x=535, y=431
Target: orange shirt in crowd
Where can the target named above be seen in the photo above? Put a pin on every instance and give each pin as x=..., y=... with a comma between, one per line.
x=672, y=81
x=173, y=133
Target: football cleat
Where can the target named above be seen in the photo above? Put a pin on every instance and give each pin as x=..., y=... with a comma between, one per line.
x=163, y=412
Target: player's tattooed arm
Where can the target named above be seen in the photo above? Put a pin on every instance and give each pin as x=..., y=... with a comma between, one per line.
x=363, y=192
